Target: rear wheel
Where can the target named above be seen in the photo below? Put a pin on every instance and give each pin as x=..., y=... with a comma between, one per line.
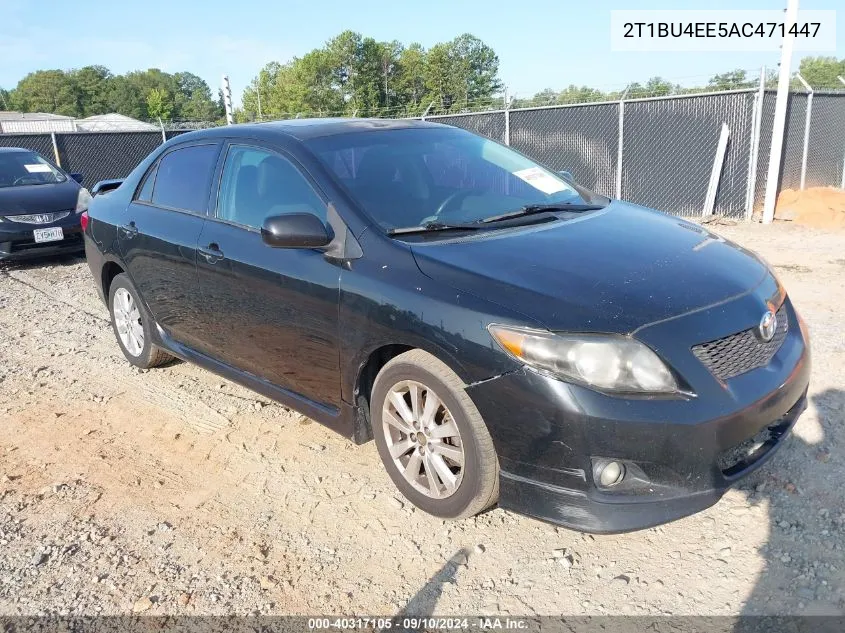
x=431, y=438
x=131, y=324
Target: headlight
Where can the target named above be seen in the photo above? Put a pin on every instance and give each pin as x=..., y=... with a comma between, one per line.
x=611, y=363
x=83, y=199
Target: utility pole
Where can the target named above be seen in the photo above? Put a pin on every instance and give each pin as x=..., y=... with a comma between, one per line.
x=807, y=119
x=227, y=100
x=779, y=124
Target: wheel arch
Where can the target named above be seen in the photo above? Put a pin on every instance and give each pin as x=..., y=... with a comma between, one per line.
x=110, y=270
x=369, y=368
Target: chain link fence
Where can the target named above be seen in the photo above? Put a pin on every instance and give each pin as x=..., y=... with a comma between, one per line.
x=489, y=124
x=826, y=149
x=668, y=146
x=793, y=142
x=764, y=149
x=581, y=139
x=41, y=143
x=658, y=152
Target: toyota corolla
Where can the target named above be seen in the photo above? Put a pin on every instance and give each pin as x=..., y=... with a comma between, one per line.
x=504, y=334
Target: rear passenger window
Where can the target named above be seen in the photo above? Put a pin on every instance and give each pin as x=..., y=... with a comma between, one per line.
x=183, y=178
x=145, y=194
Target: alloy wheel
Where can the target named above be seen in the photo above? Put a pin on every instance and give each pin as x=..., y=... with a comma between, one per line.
x=127, y=319
x=423, y=439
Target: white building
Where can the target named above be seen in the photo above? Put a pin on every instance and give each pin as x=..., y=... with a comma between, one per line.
x=113, y=123
x=44, y=123
x=35, y=123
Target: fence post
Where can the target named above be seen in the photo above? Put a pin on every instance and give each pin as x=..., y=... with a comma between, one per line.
x=163, y=135
x=754, y=154
x=716, y=172
x=619, y=146
x=842, y=183
x=779, y=124
x=507, y=119
x=56, y=149
x=807, y=117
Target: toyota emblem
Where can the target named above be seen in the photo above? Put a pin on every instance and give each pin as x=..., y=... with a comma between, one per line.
x=767, y=327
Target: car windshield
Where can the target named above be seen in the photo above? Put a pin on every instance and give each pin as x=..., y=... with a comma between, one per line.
x=440, y=176
x=18, y=169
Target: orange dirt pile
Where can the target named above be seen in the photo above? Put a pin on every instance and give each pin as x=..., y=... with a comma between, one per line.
x=820, y=207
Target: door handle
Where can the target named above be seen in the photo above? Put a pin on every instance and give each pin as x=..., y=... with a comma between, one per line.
x=212, y=253
x=130, y=229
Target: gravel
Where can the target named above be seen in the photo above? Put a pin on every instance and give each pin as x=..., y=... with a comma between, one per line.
x=173, y=491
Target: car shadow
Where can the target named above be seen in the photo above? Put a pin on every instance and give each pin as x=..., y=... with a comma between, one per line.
x=69, y=259
x=804, y=562
x=424, y=602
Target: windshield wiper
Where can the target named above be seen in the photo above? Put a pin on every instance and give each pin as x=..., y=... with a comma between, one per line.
x=530, y=209
x=433, y=226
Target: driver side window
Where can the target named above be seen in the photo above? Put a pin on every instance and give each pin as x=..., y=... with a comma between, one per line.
x=258, y=183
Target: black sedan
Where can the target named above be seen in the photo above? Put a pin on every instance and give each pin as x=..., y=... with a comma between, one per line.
x=40, y=206
x=503, y=334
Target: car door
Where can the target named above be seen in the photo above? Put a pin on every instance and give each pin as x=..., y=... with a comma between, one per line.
x=270, y=312
x=158, y=239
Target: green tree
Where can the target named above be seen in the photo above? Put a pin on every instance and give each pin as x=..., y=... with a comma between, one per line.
x=125, y=97
x=732, y=80
x=478, y=68
x=50, y=91
x=823, y=72
x=193, y=98
x=658, y=87
x=410, y=78
x=344, y=51
x=92, y=89
x=158, y=104
x=369, y=96
x=440, y=77
x=353, y=74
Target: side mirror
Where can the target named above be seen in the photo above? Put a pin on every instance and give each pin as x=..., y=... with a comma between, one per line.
x=295, y=230
x=567, y=176
x=77, y=177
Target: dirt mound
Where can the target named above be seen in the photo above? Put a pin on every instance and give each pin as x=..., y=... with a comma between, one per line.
x=820, y=207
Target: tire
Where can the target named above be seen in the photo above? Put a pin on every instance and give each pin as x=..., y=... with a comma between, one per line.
x=472, y=486
x=146, y=354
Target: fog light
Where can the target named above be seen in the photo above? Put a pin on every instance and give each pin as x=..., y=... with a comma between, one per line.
x=610, y=473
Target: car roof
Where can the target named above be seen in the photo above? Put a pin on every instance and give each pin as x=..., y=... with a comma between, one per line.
x=15, y=150
x=304, y=129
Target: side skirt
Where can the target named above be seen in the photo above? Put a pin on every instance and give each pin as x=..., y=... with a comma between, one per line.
x=340, y=420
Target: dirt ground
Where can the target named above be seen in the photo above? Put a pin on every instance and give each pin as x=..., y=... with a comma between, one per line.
x=818, y=207
x=174, y=491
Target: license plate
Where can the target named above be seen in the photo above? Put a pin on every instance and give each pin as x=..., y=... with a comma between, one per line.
x=49, y=235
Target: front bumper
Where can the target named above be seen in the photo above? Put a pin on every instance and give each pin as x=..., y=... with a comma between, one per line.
x=681, y=455
x=17, y=240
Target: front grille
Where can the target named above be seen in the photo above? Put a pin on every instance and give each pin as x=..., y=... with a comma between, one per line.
x=38, y=218
x=72, y=240
x=741, y=352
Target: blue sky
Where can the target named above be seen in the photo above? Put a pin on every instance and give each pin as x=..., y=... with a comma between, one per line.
x=542, y=43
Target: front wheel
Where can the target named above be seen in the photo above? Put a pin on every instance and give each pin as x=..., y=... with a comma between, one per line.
x=432, y=439
x=131, y=324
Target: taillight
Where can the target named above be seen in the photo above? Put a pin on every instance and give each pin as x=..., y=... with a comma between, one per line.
x=83, y=220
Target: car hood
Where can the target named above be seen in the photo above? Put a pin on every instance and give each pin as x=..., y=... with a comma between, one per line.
x=60, y=196
x=615, y=270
